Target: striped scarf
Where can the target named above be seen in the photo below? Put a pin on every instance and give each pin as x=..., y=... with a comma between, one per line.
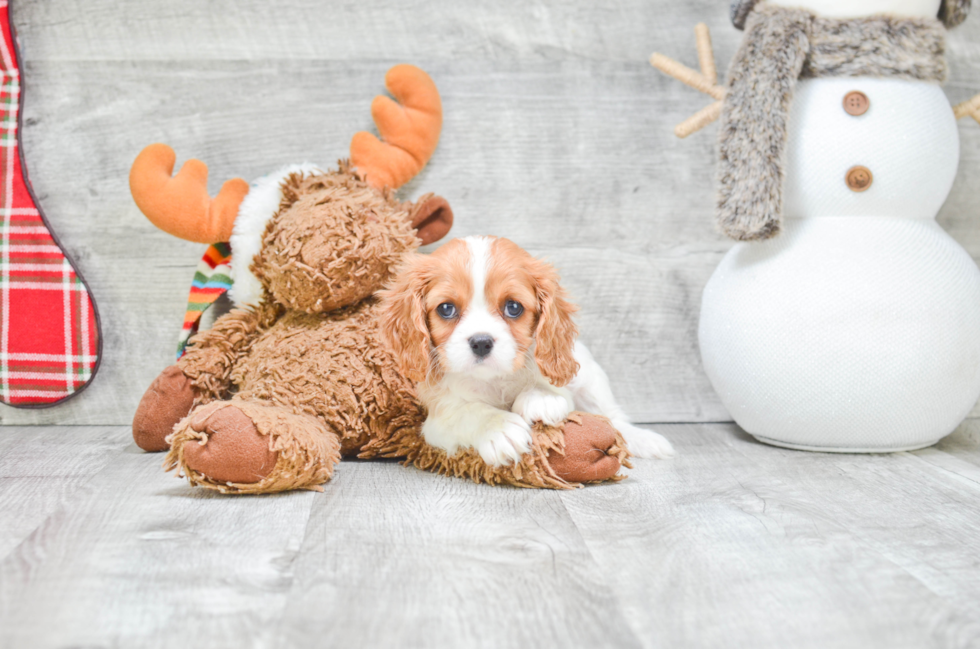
x=212, y=279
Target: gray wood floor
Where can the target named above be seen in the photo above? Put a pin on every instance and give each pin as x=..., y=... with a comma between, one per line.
x=730, y=544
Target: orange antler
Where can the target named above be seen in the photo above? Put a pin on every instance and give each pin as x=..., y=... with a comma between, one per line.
x=409, y=129
x=180, y=205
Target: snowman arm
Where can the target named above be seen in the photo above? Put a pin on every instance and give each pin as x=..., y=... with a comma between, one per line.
x=970, y=107
x=705, y=81
x=699, y=120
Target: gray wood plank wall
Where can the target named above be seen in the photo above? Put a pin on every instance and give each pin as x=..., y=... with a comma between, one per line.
x=558, y=135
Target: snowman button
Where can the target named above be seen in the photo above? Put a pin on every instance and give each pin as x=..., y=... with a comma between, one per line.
x=856, y=103
x=858, y=178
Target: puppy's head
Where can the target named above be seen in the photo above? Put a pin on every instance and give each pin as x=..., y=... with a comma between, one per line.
x=476, y=306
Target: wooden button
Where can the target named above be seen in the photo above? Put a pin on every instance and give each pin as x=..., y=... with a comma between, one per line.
x=856, y=103
x=858, y=178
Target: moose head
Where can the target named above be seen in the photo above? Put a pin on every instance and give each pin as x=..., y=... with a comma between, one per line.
x=303, y=238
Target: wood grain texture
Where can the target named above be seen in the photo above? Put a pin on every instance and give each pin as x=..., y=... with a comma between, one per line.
x=138, y=558
x=395, y=557
x=41, y=467
x=730, y=544
x=744, y=545
x=558, y=135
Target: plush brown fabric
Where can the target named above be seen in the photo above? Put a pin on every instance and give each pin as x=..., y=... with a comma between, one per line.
x=558, y=459
x=168, y=400
x=593, y=450
x=231, y=449
x=209, y=361
x=333, y=242
x=780, y=46
x=432, y=218
x=283, y=391
x=305, y=450
x=332, y=366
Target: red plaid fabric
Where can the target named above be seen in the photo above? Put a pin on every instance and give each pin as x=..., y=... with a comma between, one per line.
x=49, y=333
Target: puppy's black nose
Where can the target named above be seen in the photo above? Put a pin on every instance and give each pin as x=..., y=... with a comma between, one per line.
x=481, y=344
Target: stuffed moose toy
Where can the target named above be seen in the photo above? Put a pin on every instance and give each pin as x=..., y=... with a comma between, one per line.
x=280, y=388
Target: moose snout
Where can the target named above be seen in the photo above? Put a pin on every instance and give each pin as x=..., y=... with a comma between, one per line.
x=481, y=344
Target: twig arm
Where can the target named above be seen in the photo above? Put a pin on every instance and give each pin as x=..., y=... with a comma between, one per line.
x=706, y=56
x=705, y=81
x=699, y=120
x=970, y=107
x=686, y=75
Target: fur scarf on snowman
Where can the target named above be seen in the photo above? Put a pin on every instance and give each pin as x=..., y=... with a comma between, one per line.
x=782, y=45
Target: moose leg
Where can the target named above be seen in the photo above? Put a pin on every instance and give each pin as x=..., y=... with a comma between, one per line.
x=253, y=447
x=168, y=400
x=585, y=448
x=593, y=450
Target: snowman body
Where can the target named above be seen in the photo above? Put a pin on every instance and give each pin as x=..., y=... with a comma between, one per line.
x=858, y=327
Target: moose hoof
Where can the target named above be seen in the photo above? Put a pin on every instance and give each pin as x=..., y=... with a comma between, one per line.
x=587, y=447
x=235, y=451
x=168, y=400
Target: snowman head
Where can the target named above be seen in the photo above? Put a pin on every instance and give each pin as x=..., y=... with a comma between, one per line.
x=950, y=12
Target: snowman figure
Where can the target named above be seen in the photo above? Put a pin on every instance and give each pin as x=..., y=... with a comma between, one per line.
x=845, y=319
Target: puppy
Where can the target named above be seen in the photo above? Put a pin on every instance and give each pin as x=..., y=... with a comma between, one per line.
x=487, y=333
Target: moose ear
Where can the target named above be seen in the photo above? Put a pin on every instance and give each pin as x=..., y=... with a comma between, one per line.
x=432, y=217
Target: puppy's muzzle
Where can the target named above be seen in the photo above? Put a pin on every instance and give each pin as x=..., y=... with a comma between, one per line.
x=481, y=344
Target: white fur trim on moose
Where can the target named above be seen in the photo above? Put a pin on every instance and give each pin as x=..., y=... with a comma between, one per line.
x=858, y=8
x=908, y=138
x=845, y=334
x=260, y=204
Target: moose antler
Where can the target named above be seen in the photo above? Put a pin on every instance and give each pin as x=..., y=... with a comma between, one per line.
x=706, y=81
x=180, y=205
x=969, y=107
x=409, y=129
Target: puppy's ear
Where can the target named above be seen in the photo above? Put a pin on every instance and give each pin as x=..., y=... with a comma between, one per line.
x=404, y=329
x=554, y=337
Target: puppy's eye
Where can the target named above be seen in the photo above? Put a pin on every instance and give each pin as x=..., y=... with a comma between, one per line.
x=513, y=309
x=446, y=310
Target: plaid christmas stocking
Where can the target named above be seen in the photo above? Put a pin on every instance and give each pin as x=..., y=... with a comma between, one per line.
x=49, y=329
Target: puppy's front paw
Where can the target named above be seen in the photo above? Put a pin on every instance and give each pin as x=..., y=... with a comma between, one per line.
x=547, y=407
x=644, y=443
x=505, y=441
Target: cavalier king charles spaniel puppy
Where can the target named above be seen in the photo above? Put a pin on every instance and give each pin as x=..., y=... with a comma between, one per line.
x=487, y=333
